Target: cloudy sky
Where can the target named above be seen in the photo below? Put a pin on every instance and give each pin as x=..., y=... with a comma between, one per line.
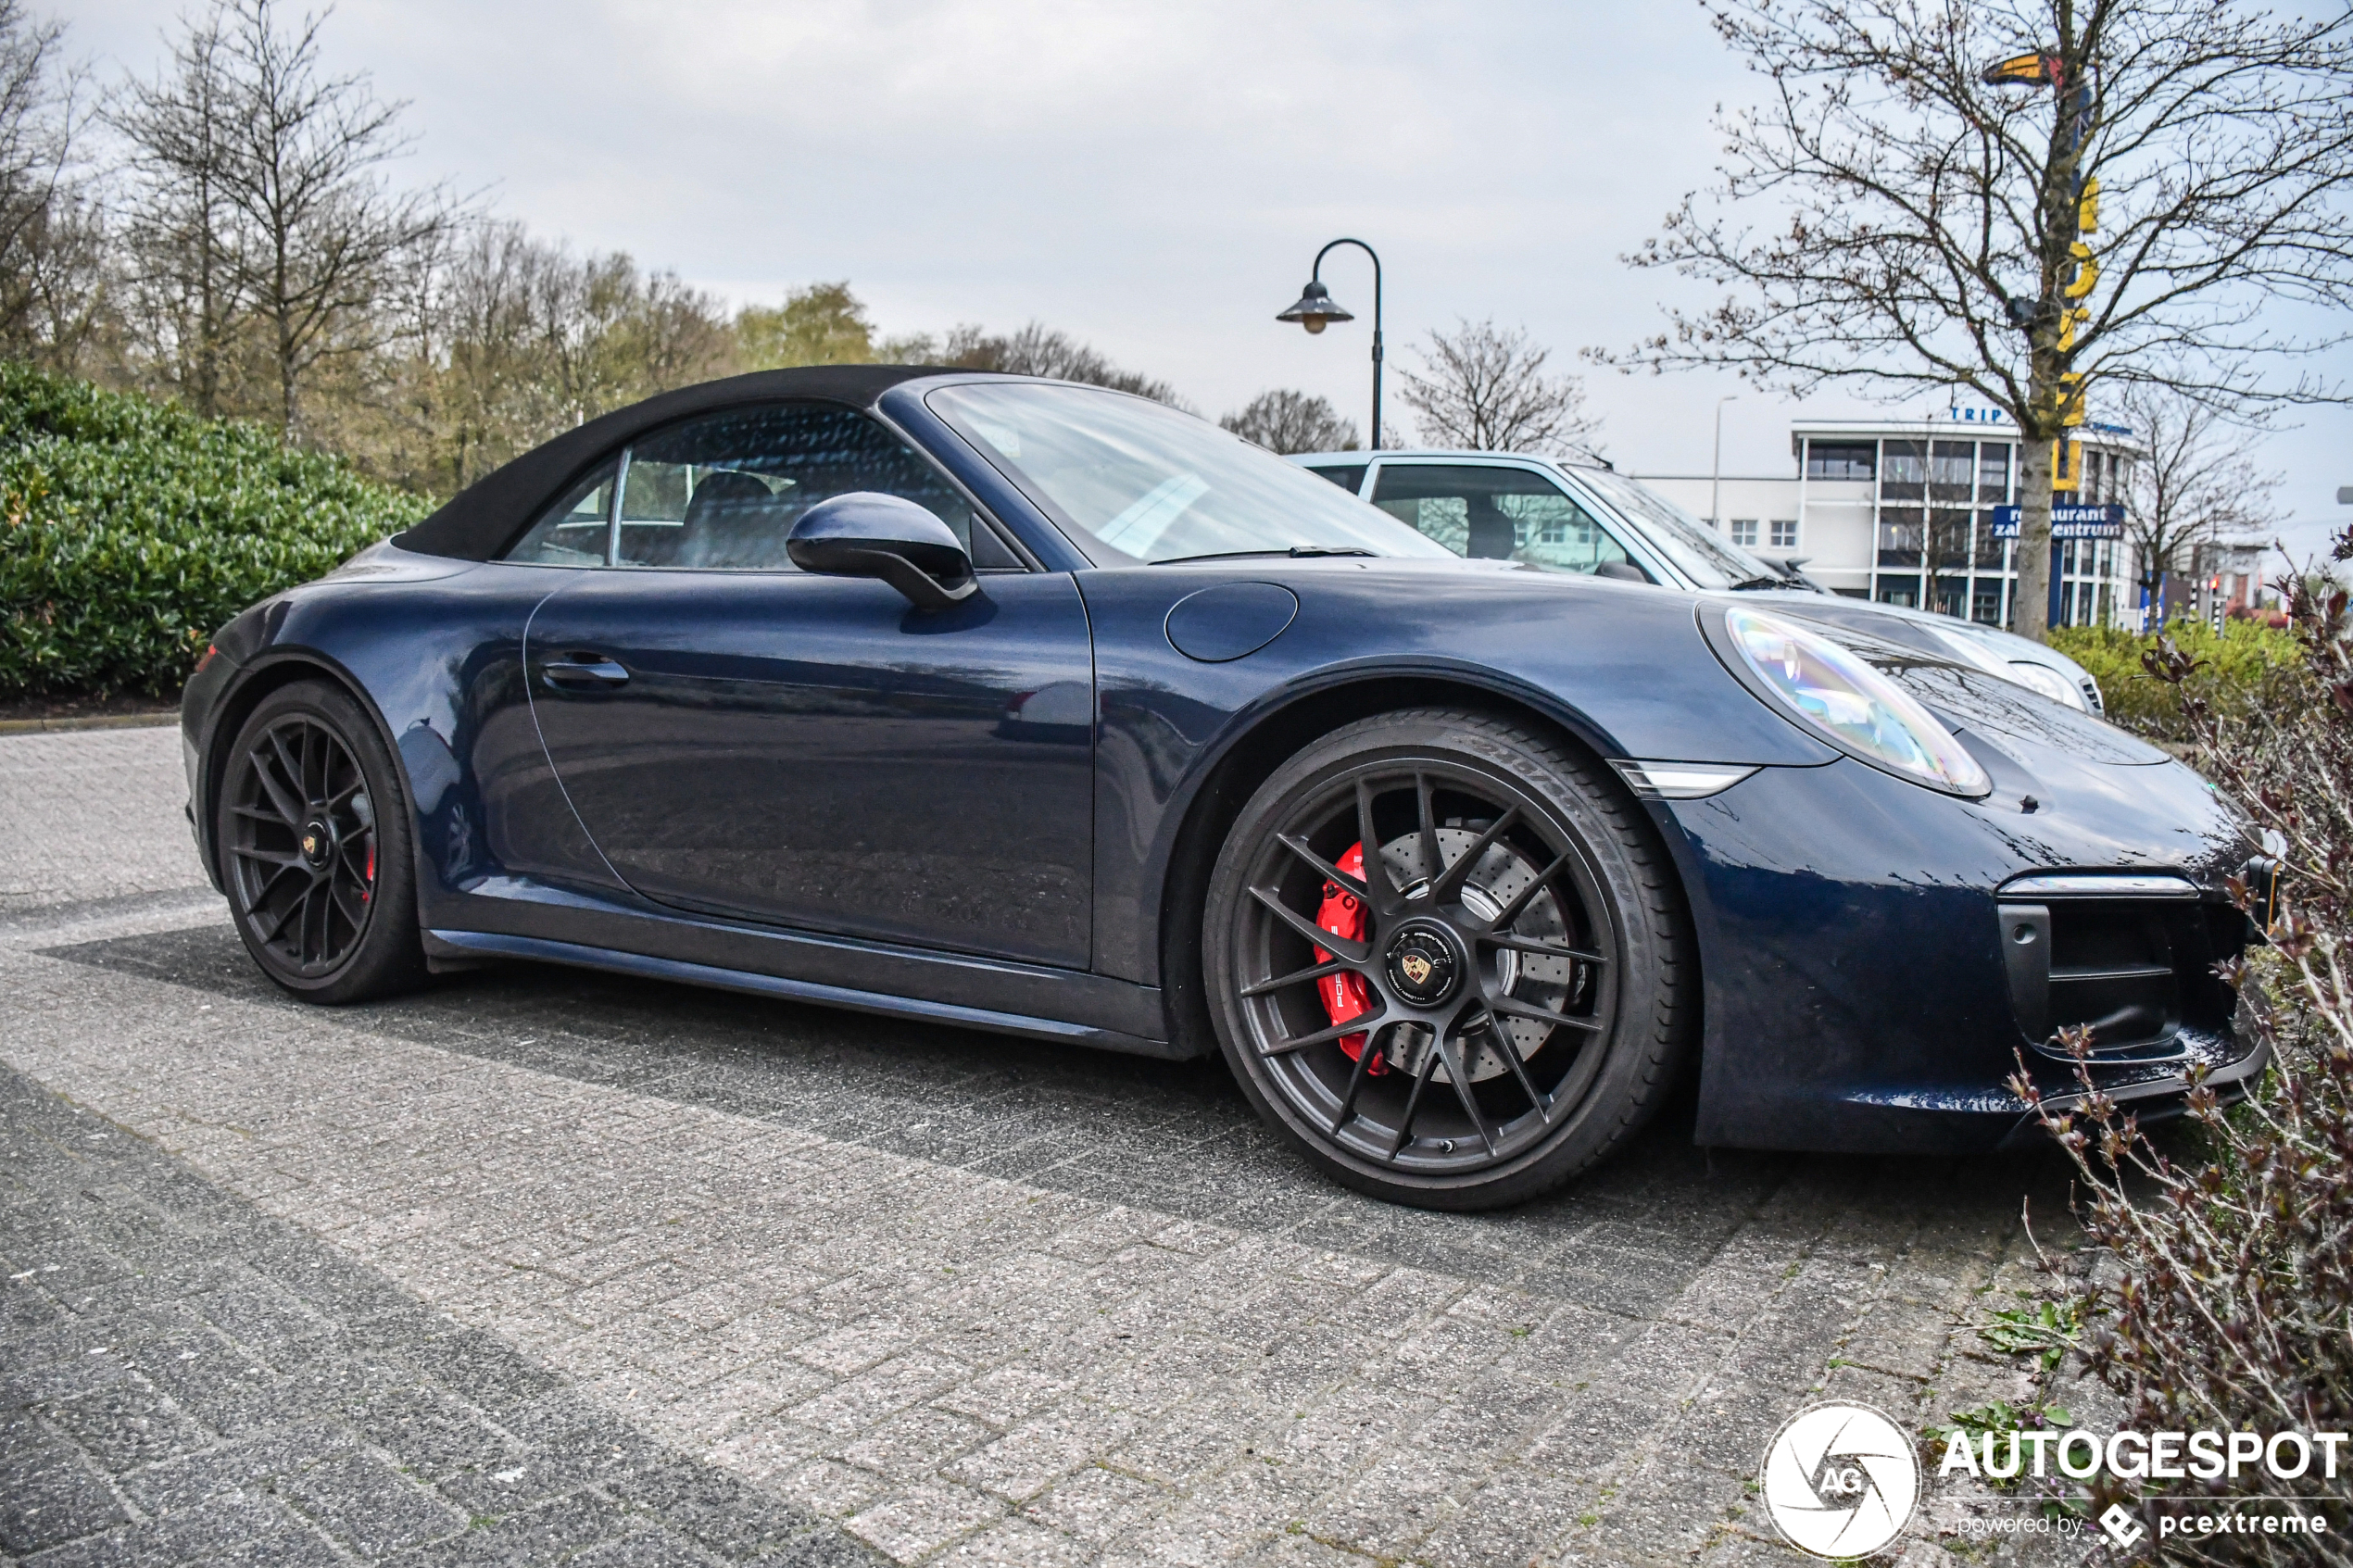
x=1153, y=178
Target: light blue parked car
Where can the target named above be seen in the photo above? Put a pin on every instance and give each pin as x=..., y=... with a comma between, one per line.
x=1578, y=517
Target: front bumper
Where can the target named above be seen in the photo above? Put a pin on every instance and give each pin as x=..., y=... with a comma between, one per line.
x=1858, y=998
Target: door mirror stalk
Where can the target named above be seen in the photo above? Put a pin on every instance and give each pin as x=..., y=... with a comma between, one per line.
x=867, y=534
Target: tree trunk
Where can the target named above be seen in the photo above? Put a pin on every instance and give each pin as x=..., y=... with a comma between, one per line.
x=2031, y=601
x=288, y=375
x=208, y=312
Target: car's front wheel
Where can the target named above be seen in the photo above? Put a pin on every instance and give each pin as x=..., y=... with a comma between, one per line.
x=1446, y=955
x=314, y=847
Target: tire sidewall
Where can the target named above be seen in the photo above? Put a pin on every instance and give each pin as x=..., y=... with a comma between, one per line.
x=389, y=956
x=1634, y=1076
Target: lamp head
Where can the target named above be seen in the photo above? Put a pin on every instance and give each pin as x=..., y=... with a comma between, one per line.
x=1316, y=310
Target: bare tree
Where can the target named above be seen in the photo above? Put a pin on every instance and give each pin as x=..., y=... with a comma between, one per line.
x=301, y=174
x=474, y=389
x=1485, y=389
x=2193, y=485
x=1287, y=422
x=1036, y=350
x=1937, y=227
x=183, y=235
x=508, y=340
x=50, y=239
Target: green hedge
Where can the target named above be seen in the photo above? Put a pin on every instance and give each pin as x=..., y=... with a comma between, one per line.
x=131, y=529
x=2235, y=664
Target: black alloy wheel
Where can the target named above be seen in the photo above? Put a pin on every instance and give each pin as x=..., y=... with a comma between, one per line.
x=313, y=841
x=1511, y=950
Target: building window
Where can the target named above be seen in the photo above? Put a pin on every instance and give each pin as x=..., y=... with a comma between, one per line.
x=1990, y=549
x=1905, y=475
x=1949, y=465
x=1841, y=459
x=1948, y=540
x=1903, y=533
x=1744, y=531
x=1784, y=533
x=1994, y=474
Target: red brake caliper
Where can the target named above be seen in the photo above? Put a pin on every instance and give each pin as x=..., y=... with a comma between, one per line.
x=1345, y=996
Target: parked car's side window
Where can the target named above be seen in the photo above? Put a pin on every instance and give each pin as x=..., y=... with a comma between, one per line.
x=1348, y=476
x=1496, y=513
x=574, y=532
x=724, y=490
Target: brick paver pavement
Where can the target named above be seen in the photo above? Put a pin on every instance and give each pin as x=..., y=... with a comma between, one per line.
x=190, y=1379
x=974, y=1299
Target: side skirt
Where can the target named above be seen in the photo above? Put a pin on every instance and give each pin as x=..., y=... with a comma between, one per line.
x=463, y=945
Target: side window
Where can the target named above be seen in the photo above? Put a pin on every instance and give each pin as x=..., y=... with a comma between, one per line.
x=723, y=491
x=1495, y=513
x=1348, y=476
x=573, y=531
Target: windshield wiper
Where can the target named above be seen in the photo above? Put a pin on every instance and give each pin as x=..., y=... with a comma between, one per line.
x=1299, y=551
x=1747, y=584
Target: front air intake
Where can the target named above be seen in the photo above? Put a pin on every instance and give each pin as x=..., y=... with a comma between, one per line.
x=2136, y=971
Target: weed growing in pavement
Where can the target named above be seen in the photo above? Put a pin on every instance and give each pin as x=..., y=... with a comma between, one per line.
x=2046, y=1329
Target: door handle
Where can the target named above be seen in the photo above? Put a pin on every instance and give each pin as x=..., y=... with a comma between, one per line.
x=583, y=671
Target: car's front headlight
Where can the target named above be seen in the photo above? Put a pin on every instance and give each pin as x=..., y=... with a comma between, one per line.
x=2046, y=681
x=1858, y=708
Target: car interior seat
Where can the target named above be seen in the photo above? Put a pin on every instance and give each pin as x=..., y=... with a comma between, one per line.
x=734, y=520
x=1492, y=537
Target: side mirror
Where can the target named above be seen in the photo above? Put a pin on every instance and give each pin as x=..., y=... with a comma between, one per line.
x=1622, y=571
x=865, y=533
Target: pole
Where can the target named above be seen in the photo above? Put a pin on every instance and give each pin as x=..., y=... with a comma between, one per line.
x=1716, y=475
x=1317, y=276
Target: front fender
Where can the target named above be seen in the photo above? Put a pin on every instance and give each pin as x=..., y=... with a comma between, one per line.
x=1623, y=670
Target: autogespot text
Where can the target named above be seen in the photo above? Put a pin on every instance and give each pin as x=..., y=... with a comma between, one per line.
x=2079, y=1454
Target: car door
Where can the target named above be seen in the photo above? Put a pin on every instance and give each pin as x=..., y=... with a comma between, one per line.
x=742, y=739
x=1499, y=511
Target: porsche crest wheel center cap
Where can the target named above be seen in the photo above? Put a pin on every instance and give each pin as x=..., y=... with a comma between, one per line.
x=318, y=843
x=1423, y=965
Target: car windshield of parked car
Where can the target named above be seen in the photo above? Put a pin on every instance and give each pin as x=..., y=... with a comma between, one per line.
x=1149, y=483
x=1697, y=551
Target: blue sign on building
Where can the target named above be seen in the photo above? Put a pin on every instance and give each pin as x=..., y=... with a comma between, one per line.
x=2067, y=522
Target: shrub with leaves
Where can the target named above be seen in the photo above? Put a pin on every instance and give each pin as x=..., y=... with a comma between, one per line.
x=2244, y=663
x=131, y=529
x=2229, y=1303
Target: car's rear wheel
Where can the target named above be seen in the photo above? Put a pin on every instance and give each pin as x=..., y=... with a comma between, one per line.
x=1494, y=918
x=314, y=847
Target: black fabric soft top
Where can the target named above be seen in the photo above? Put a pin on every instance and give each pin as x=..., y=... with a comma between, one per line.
x=479, y=520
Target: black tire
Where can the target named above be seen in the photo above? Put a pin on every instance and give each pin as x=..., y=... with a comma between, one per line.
x=312, y=829
x=1520, y=884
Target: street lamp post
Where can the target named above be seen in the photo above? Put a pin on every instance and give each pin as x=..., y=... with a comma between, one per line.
x=1716, y=475
x=1316, y=311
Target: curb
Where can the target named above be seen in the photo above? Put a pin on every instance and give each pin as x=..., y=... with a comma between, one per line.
x=99, y=721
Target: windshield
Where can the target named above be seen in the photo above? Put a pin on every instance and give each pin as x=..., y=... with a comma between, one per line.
x=1148, y=483
x=1697, y=550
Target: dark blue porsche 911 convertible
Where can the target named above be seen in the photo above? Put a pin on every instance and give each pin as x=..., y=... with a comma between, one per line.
x=1043, y=709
